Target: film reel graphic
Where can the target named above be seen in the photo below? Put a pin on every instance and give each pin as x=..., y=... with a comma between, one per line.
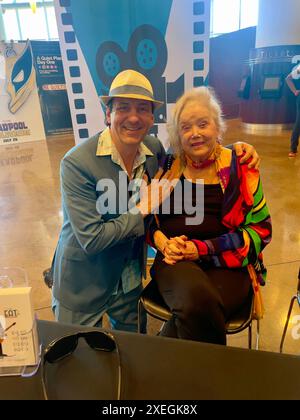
x=145, y=50
x=110, y=60
x=146, y=53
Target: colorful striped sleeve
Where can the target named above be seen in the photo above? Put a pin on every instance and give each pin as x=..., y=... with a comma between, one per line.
x=242, y=245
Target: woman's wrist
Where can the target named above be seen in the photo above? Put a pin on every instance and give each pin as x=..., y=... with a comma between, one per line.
x=162, y=246
x=160, y=241
x=201, y=247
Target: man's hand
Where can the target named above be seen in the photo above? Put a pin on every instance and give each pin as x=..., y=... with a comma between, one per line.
x=159, y=189
x=250, y=152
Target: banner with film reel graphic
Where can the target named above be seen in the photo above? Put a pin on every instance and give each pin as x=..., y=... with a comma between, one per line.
x=167, y=40
x=20, y=112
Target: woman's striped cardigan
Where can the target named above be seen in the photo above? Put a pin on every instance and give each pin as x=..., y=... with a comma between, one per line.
x=245, y=213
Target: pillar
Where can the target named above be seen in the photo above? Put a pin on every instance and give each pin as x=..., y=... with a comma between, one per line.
x=2, y=29
x=269, y=103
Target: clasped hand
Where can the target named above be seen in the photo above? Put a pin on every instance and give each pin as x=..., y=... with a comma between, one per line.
x=178, y=249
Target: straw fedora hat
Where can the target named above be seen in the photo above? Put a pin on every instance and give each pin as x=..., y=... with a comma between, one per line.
x=131, y=84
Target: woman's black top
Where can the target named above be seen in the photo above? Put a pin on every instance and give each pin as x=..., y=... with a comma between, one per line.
x=211, y=202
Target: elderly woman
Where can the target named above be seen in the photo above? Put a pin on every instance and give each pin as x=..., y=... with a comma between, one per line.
x=203, y=270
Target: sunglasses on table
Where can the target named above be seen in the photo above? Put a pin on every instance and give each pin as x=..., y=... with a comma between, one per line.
x=64, y=346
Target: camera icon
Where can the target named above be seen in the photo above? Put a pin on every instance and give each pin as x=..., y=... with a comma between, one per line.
x=146, y=53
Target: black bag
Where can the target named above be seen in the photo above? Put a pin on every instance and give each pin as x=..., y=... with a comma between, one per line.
x=48, y=279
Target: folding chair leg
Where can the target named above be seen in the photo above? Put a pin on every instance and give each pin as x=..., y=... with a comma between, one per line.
x=257, y=334
x=250, y=336
x=287, y=322
x=140, y=308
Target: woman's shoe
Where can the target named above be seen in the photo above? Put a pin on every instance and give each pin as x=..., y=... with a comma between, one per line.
x=292, y=154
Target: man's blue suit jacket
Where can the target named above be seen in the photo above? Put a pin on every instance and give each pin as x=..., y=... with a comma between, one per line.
x=93, y=249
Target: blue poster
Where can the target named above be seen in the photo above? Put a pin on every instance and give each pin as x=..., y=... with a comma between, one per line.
x=51, y=87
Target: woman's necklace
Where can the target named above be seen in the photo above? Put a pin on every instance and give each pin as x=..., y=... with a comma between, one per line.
x=205, y=168
x=198, y=165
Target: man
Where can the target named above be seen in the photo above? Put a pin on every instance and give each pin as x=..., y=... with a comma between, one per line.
x=294, y=85
x=100, y=256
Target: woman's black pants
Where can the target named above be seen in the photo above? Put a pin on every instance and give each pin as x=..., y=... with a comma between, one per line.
x=201, y=297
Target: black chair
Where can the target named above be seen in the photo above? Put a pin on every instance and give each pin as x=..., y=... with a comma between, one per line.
x=155, y=306
x=295, y=297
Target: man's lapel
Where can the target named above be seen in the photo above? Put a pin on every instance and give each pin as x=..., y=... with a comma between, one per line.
x=109, y=169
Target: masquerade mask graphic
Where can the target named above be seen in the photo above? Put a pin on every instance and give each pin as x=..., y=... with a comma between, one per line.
x=20, y=78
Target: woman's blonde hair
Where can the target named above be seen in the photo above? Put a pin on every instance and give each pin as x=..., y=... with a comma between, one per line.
x=205, y=96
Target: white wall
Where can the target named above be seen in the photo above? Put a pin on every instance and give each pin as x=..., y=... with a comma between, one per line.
x=2, y=30
x=278, y=23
